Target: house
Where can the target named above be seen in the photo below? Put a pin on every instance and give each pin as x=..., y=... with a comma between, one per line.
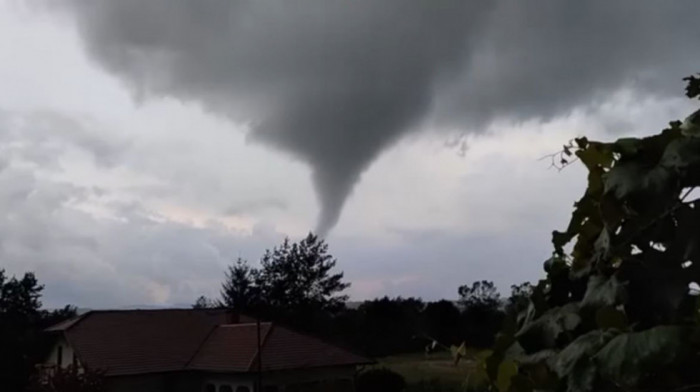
x=208, y=350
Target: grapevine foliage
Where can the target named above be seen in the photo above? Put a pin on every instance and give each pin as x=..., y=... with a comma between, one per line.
x=617, y=310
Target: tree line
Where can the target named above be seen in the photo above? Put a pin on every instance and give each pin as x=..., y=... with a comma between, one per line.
x=296, y=284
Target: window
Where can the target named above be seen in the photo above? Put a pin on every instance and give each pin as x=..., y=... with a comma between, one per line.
x=225, y=388
x=210, y=388
x=75, y=360
x=59, y=356
x=242, y=388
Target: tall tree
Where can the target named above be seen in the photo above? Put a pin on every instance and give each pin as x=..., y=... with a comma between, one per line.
x=481, y=314
x=481, y=293
x=239, y=289
x=22, y=342
x=519, y=297
x=19, y=313
x=299, y=276
x=441, y=321
x=390, y=326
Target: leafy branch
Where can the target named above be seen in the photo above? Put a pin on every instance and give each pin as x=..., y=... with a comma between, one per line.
x=615, y=312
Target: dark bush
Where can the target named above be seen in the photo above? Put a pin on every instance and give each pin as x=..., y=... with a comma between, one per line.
x=70, y=379
x=380, y=380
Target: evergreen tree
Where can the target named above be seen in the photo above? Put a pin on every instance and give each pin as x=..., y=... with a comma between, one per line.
x=239, y=290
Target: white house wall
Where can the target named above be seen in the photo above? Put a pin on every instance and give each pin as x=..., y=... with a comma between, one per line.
x=68, y=353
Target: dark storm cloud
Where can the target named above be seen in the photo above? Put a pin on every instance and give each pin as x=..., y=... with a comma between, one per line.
x=335, y=82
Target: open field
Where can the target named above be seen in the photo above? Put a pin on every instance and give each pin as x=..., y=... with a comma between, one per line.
x=419, y=367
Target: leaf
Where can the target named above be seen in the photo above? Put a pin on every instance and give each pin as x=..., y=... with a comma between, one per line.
x=654, y=293
x=574, y=361
x=543, y=333
x=692, y=90
x=603, y=291
x=506, y=370
x=602, y=245
x=559, y=240
x=596, y=155
x=585, y=346
x=644, y=187
x=582, y=378
x=681, y=155
x=610, y=318
x=521, y=383
x=630, y=356
x=626, y=179
x=611, y=211
x=538, y=357
x=691, y=125
x=478, y=379
x=628, y=146
x=542, y=377
x=686, y=243
x=581, y=142
x=504, y=340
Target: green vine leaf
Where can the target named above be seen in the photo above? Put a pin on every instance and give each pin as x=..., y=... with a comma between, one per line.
x=506, y=371
x=543, y=333
x=614, y=312
x=610, y=318
x=628, y=357
x=603, y=291
x=583, y=349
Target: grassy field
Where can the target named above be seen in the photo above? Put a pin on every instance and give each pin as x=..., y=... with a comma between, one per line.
x=419, y=367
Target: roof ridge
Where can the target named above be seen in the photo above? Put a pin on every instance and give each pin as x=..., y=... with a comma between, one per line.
x=156, y=310
x=263, y=340
x=324, y=341
x=68, y=323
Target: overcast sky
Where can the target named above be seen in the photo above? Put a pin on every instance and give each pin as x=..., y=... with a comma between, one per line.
x=146, y=144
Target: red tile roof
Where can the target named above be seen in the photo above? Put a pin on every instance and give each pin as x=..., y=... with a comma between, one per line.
x=230, y=348
x=152, y=341
x=142, y=341
x=285, y=349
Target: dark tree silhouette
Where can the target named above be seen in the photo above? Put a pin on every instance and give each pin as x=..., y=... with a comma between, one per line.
x=22, y=343
x=204, y=303
x=519, y=297
x=239, y=289
x=481, y=293
x=481, y=315
x=299, y=276
x=19, y=314
x=441, y=321
x=390, y=326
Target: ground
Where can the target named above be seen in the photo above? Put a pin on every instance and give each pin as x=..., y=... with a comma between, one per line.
x=421, y=369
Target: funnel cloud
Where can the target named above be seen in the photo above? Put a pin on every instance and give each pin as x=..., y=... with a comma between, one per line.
x=336, y=82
